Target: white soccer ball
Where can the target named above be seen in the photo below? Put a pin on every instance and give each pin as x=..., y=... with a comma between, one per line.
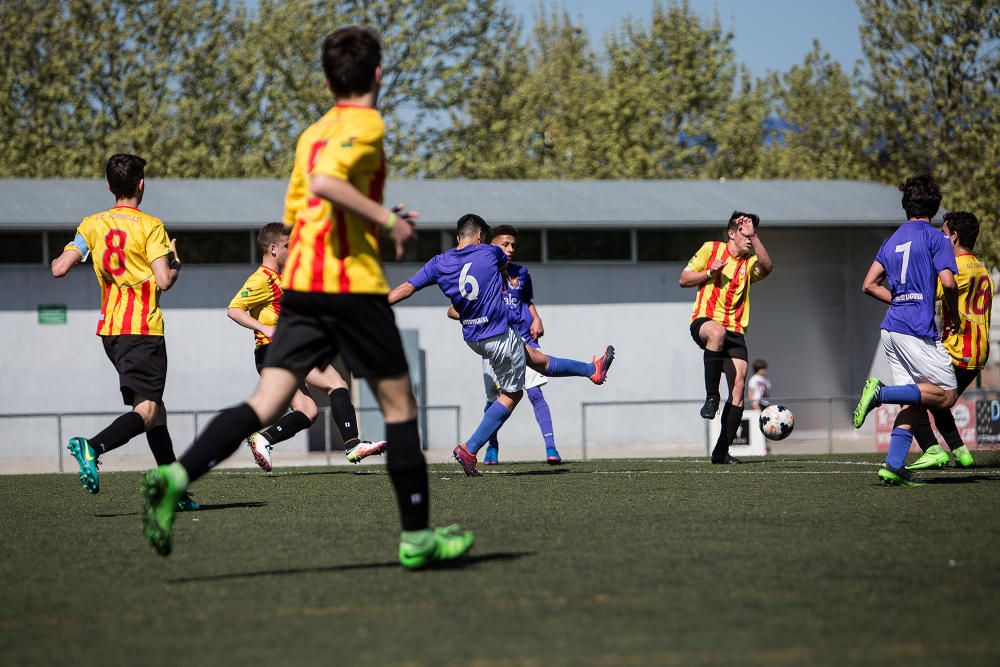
x=776, y=422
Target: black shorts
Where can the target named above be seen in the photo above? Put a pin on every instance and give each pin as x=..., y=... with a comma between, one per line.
x=315, y=327
x=734, y=345
x=141, y=362
x=965, y=377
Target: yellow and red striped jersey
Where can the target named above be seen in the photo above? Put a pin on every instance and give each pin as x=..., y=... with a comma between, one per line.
x=969, y=347
x=123, y=243
x=332, y=249
x=261, y=297
x=725, y=298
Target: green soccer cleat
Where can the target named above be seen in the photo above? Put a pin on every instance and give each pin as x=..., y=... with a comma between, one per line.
x=81, y=450
x=868, y=401
x=162, y=493
x=898, y=477
x=422, y=548
x=963, y=457
x=934, y=457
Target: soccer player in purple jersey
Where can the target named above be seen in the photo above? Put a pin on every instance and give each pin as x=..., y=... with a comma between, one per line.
x=518, y=295
x=471, y=276
x=911, y=262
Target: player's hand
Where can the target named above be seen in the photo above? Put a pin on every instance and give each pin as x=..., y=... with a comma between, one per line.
x=952, y=326
x=173, y=248
x=746, y=227
x=536, y=330
x=268, y=330
x=403, y=233
x=716, y=265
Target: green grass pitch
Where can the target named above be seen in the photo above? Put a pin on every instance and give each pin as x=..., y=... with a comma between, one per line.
x=792, y=561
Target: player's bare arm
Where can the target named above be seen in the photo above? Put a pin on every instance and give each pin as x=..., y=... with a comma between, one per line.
x=453, y=314
x=949, y=289
x=401, y=293
x=699, y=278
x=345, y=195
x=764, y=263
x=62, y=264
x=166, y=269
x=245, y=319
x=536, y=330
x=872, y=285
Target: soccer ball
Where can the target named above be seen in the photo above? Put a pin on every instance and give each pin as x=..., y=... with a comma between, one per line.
x=776, y=422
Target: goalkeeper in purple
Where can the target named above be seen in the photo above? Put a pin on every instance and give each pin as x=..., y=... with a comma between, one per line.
x=905, y=275
x=472, y=276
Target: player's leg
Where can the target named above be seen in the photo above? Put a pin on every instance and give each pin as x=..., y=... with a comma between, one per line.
x=154, y=415
x=301, y=416
x=492, y=455
x=934, y=455
x=343, y=414
x=735, y=370
x=710, y=337
x=555, y=367
x=946, y=426
x=544, y=418
x=893, y=471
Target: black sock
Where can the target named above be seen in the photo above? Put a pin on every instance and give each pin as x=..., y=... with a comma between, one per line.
x=289, y=424
x=344, y=417
x=219, y=440
x=408, y=471
x=161, y=445
x=945, y=423
x=714, y=362
x=732, y=417
x=120, y=431
x=923, y=434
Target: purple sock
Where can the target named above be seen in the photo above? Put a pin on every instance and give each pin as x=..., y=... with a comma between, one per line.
x=542, y=415
x=494, y=418
x=561, y=368
x=899, y=447
x=900, y=394
x=493, y=438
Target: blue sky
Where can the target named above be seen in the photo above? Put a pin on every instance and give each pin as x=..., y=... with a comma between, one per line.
x=769, y=34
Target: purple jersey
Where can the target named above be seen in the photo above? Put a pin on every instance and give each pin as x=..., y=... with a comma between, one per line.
x=470, y=278
x=517, y=296
x=912, y=258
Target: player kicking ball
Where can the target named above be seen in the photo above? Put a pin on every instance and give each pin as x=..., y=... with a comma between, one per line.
x=470, y=275
x=910, y=263
x=968, y=346
x=256, y=307
x=723, y=273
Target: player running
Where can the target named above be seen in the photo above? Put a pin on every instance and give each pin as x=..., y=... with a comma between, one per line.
x=470, y=275
x=723, y=273
x=256, y=306
x=518, y=294
x=968, y=346
x=133, y=261
x=912, y=261
x=333, y=301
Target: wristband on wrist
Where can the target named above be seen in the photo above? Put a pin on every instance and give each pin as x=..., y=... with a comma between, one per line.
x=391, y=221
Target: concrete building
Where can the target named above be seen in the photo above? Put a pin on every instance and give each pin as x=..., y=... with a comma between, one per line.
x=605, y=257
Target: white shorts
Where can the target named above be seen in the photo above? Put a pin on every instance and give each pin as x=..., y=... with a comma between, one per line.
x=532, y=378
x=505, y=355
x=913, y=360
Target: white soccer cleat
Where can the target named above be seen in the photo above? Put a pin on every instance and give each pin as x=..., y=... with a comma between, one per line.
x=261, y=450
x=365, y=449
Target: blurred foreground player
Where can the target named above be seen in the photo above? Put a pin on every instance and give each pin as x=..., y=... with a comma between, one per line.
x=257, y=306
x=911, y=262
x=133, y=261
x=334, y=301
x=723, y=273
x=968, y=346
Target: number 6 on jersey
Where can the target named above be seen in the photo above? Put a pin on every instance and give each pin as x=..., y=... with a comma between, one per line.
x=465, y=279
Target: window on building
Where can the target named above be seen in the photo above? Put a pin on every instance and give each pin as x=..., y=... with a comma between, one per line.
x=20, y=247
x=585, y=245
x=427, y=245
x=529, y=245
x=227, y=247
x=673, y=245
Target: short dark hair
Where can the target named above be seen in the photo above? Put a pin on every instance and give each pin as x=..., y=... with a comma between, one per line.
x=503, y=230
x=350, y=57
x=271, y=233
x=740, y=214
x=966, y=225
x=124, y=172
x=921, y=196
x=469, y=224
x=759, y=364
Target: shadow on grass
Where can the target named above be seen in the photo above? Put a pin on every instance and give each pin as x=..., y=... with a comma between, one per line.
x=469, y=561
x=960, y=479
x=204, y=508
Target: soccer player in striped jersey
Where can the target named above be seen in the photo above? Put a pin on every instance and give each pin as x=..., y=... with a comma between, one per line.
x=911, y=263
x=333, y=301
x=133, y=261
x=723, y=273
x=968, y=346
x=257, y=306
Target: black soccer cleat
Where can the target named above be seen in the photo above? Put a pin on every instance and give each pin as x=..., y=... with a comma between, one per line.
x=710, y=408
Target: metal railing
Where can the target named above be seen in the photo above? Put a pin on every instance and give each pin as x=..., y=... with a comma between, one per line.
x=195, y=415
